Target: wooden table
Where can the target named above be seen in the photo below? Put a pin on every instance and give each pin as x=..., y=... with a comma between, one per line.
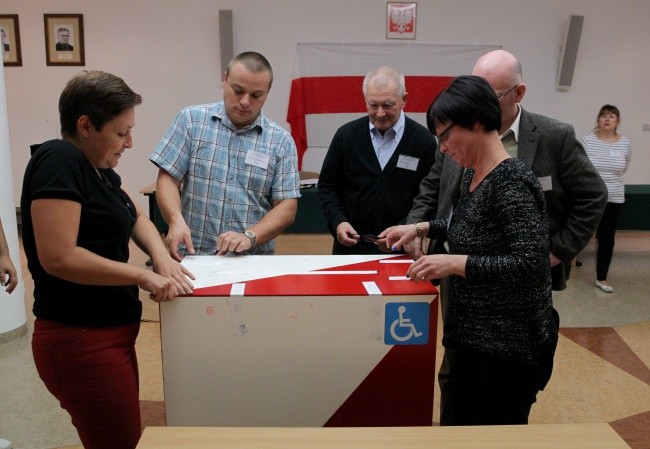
x=540, y=436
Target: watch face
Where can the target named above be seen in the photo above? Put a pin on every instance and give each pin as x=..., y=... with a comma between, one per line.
x=251, y=235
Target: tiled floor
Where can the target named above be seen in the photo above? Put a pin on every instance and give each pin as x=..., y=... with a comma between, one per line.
x=601, y=368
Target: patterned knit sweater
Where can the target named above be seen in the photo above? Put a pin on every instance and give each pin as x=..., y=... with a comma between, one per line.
x=503, y=307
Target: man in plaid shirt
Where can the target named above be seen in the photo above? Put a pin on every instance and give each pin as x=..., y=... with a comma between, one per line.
x=236, y=171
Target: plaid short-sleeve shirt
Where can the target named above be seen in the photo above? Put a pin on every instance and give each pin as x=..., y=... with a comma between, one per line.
x=230, y=177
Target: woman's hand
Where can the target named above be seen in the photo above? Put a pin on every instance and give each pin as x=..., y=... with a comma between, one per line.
x=161, y=288
x=165, y=266
x=397, y=237
x=436, y=266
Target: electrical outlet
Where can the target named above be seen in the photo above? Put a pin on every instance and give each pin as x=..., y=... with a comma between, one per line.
x=645, y=127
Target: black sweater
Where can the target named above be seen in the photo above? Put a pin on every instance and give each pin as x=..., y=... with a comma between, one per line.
x=503, y=305
x=352, y=186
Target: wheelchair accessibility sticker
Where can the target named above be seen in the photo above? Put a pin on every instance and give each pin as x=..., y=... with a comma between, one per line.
x=407, y=323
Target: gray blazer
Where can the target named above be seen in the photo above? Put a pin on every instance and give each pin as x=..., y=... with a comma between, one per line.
x=575, y=194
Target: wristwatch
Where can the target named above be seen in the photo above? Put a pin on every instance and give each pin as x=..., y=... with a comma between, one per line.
x=253, y=238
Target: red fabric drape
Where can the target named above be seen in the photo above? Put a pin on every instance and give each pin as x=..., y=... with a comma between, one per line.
x=337, y=94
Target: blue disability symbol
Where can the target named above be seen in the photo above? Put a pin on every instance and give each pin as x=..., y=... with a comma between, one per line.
x=407, y=323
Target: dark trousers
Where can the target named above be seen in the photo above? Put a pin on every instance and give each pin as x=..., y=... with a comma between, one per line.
x=478, y=390
x=482, y=390
x=93, y=372
x=605, y=234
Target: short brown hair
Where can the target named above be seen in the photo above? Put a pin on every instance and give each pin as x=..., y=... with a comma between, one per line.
x=254, y=62
x=99, y=95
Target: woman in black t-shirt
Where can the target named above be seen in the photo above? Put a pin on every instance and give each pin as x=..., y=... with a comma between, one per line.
x=77, y=223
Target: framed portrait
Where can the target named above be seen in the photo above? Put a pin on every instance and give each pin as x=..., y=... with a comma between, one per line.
x=401, y=20
x=64, y=39
x=10, y=32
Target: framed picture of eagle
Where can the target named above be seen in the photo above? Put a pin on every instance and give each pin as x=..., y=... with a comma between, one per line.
x=401, y=20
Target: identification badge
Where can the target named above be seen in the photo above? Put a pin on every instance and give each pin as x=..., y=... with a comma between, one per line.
x=546, y=182
x=615, y=153
x=257, y=159
x=408, y=162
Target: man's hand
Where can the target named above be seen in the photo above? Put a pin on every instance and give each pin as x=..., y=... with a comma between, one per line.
x=233, y=242
x=346, y=235
x=176, y=234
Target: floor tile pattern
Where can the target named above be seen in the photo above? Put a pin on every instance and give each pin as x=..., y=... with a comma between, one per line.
x=602, y=365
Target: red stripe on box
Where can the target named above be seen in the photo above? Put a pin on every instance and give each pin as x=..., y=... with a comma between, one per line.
x=398, y=391
x=335, y=285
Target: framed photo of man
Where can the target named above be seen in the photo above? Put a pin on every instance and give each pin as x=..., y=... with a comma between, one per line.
x=64, y=39
x=10, y=33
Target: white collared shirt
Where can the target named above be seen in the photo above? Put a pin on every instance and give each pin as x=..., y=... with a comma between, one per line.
x=386, y=144
x=515, y=132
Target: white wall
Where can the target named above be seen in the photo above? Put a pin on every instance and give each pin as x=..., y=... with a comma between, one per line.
x=12, y=306
x=168, y=51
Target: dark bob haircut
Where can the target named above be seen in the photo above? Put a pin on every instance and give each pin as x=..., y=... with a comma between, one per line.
x=466, y=101
x=99, y=95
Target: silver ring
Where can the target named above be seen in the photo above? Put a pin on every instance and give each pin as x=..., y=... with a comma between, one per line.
x=424, y=277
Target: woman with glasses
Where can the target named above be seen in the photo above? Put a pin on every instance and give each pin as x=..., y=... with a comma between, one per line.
x=77, y=223
x=500, y=331
x=611, y=153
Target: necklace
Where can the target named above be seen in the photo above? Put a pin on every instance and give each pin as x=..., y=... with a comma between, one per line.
x=476, y=180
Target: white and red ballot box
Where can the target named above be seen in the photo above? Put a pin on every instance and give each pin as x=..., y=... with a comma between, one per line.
x=300, y=341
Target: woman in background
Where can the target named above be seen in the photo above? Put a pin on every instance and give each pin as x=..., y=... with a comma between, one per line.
x=77, y=223
x=610, y=152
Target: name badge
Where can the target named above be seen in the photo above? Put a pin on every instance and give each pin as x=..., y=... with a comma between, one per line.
x=408, y=162
x=546, y=182
x=615, y=153
x=257, y=159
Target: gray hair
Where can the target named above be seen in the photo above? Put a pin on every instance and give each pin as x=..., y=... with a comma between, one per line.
x=385, y=76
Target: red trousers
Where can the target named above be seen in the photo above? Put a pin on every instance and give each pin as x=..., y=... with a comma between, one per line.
x=93, y=372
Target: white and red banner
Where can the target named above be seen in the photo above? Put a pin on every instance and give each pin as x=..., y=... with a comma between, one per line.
x=328, y=78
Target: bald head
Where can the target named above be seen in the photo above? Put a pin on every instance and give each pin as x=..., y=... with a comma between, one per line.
x=499, y=66
x=503, y=71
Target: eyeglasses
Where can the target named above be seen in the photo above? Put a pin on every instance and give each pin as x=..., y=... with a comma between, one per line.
x=445, y=134
x=367, y=237
x=507, y=92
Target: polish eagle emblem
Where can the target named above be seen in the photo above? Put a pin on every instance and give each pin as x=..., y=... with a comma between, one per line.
x=401, y=19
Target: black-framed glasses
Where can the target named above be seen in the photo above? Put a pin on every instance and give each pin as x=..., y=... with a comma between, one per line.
x=507, y=92
x=445, y=134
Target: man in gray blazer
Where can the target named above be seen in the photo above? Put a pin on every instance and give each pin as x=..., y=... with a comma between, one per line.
x=575, y=193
